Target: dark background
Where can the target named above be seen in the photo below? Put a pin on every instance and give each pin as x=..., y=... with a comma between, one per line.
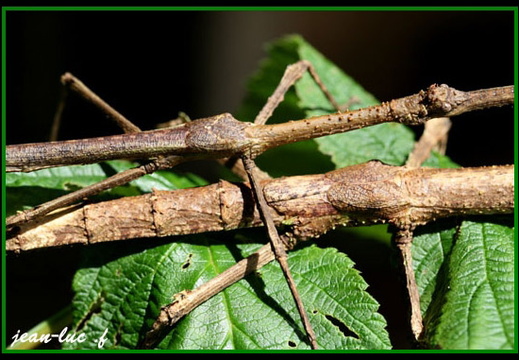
x=151, y=65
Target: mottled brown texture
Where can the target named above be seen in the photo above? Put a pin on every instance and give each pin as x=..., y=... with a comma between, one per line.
x=435, y=101
x=310, y=205
x=108, y=183
x=434, y=137
x=133, y=219
x=222, y=135
x=278, y=247
x=403, y=240
x=182, y=212
x=416, y=196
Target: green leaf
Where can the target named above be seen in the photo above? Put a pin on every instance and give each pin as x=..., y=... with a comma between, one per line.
x=293, y=159
x=466, y=281
x=159, y=180
x=27, y=190
x=437, y=160
x=432, y=245
x=63, y=178
x=79, y=176
x=390, y=143
x=123, y=297
x=261, y=85
x=119, y=289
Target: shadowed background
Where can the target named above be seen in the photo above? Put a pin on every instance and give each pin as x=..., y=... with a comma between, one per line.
x=151, y=65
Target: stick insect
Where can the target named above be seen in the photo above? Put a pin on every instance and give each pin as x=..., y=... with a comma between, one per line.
x=207, y=139
x=222, y=136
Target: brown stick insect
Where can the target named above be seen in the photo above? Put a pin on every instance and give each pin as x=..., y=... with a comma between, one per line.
x=222, y=136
